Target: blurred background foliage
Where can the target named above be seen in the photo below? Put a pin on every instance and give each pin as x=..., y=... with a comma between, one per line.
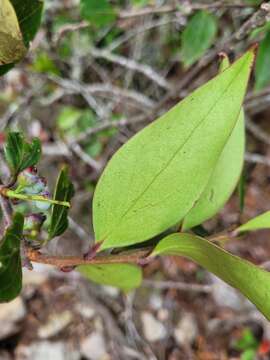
x=97, y=72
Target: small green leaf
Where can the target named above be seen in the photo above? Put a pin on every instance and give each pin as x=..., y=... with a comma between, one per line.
x=259, y=222
x=19, y=154
x=123, y=276
x=246, y=341
x=153, y=181
x=10, y=260
x=68, y=118
x=43, y=63
x=64, y=191
x=197, y=37
x=259, y=30
x=224, y=177
x=14, y=150
x=31, y=154
x=97, y=12
x=249, y=354
x=252, y=281
x=262, y=65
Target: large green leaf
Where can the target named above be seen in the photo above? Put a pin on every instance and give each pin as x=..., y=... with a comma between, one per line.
x=262, y=66
x=252, y=281
x=97, y=12
x=156, y=177
x=64, y=191
x=224, y=177
x=20, y=154
x=259, y=222
x=198, y=36
x=19, y=22
x=124, y=276
x=29, y=14
x=12, y=47
x=5, y=68
x=10, y=260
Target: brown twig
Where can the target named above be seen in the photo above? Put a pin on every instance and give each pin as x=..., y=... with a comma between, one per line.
x=133, y=65
x=257, y=159
x=164, y=285
x=161, y=10
x=259, y=18
x=69, y=28
x=69, y=261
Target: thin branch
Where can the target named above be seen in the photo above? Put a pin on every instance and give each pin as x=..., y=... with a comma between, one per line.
x=127, y=14
x=70, y=261
x=131, y=64
x=72, y=85
x=259, y=18
x=257, y=159
x=67, y=28
x=116, y=91
x=77, y=229
x=6, y=210
x=15, y=110
x=257, y=131
x=258, y=103
x=141, y=29
x=67, y=147
x=251, y=96
x=77, y=150
x=133, y=333
x=109, y=125
x=101, y=89
x=182, y=8
x=194, y=71
x=163, y=285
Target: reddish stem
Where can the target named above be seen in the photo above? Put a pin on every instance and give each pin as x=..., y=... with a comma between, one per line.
x=67, y=262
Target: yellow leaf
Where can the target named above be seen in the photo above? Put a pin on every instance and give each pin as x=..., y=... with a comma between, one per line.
x=12, y=47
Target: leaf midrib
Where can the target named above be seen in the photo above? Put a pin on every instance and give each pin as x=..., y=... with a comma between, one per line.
x=135, y=201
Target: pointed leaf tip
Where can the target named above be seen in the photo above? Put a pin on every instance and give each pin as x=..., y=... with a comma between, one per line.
x=149, y=184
